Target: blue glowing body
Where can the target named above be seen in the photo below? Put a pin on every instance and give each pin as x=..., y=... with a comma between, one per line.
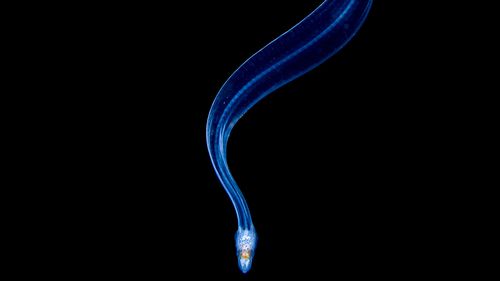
x=309, y=43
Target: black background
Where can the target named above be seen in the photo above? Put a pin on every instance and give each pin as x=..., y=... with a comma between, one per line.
x=345, y=169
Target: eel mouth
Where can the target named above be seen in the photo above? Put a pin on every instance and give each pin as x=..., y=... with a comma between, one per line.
x=245, y=261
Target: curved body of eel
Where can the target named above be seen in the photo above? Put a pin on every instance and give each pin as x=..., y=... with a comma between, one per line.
x=316, y=38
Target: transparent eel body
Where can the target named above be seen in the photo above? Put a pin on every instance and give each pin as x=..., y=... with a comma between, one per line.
x=309, y=43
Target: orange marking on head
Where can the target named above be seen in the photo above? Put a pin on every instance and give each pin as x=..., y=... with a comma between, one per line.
x=245, y=254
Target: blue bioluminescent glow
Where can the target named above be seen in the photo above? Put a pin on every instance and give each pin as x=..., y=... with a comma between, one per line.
x=309, y=43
